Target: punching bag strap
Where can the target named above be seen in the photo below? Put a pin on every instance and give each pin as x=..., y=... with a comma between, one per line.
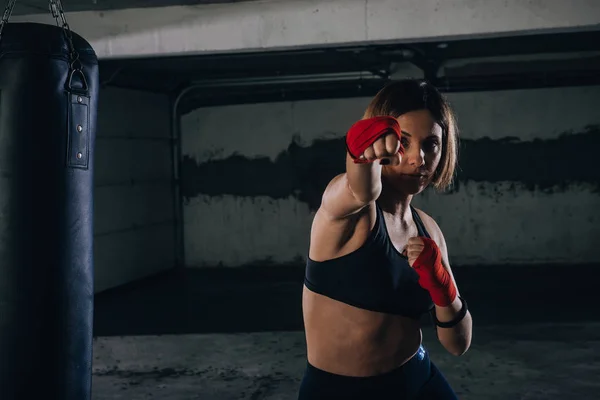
x=78, y=136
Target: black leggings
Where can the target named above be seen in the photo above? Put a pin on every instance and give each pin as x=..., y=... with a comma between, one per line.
x=417, y=379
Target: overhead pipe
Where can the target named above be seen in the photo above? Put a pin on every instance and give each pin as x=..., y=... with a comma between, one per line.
x=285, y=79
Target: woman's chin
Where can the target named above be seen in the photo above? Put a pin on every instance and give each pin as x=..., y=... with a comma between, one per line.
x=405, y=185
x=408, y=188
x=414, y=189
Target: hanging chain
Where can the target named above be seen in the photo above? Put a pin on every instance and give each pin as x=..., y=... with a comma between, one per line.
x=76, y=68
x=6, y=15
x=58, y=13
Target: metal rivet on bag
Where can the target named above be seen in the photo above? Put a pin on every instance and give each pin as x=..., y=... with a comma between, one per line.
x=79, y=128
x=79, y=155
x=79, y=99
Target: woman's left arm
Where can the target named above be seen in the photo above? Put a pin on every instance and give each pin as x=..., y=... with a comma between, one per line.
x=429, y=257
x=456, y=339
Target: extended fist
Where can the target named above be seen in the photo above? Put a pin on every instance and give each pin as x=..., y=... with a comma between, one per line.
x=386, y=149
x=376, y=138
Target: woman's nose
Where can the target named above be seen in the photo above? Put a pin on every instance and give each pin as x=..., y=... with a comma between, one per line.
x=416, y=157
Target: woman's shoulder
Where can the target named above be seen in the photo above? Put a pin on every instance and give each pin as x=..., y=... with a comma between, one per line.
x=426, y=218
x=431, y=225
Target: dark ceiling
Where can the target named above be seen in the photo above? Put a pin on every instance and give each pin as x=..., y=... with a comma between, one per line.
x=40, y=6
x=272, y=76
x=268, y=76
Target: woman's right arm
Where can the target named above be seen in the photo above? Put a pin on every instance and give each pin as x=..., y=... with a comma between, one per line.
x=336, y=222
x=350, y=192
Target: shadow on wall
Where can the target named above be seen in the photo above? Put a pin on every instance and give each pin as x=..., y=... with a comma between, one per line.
x=549, y=165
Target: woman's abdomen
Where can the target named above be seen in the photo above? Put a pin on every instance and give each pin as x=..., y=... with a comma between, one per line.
x=345, y=340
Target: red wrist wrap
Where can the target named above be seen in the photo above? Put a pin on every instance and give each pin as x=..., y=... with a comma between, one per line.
x=433, y=276
x=365, y=132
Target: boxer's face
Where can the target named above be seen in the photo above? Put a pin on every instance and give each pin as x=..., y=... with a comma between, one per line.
x=422, y=141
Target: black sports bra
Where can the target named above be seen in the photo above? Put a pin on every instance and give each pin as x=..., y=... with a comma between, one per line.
x=374, y=277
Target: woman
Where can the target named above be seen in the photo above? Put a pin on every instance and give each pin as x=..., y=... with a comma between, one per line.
x=376, y=264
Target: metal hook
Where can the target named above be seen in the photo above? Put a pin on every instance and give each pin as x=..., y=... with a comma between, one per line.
x=84, y=84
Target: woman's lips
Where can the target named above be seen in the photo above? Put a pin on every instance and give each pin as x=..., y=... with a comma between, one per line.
x=415, y=176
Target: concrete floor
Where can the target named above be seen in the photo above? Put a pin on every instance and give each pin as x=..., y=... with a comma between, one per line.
x=544, y=362
x=213, y=335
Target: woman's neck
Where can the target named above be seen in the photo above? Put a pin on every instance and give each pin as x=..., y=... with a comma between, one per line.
x=395, y=203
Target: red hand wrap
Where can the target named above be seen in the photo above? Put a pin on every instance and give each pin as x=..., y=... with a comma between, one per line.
x=433, y=276
x=365, y=132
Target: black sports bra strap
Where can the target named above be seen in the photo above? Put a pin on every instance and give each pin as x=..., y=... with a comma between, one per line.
x=420, y=226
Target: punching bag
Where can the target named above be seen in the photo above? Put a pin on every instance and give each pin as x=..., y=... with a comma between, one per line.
x=48, y=102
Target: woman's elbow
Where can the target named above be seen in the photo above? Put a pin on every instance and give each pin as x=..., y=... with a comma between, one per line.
x=458, y=350
x=458, y=346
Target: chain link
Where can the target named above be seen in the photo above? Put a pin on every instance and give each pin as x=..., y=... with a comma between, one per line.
x=58, y=13
x=6, y=15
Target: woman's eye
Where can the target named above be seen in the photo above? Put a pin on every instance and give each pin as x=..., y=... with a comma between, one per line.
x=431, y=145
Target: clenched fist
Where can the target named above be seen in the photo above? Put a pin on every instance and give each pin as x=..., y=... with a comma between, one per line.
x=385, y=149
x=414, y=248
x=425, y=257
x=376, y=138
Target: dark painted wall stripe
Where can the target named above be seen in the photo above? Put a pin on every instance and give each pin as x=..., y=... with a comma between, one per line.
x=548, y=164
x=303, y=172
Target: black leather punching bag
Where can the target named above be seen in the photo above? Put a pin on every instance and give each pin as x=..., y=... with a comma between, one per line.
x=48, y=102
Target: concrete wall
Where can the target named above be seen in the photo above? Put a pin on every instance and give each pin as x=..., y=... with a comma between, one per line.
x=133, y=193
x=527, y=189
